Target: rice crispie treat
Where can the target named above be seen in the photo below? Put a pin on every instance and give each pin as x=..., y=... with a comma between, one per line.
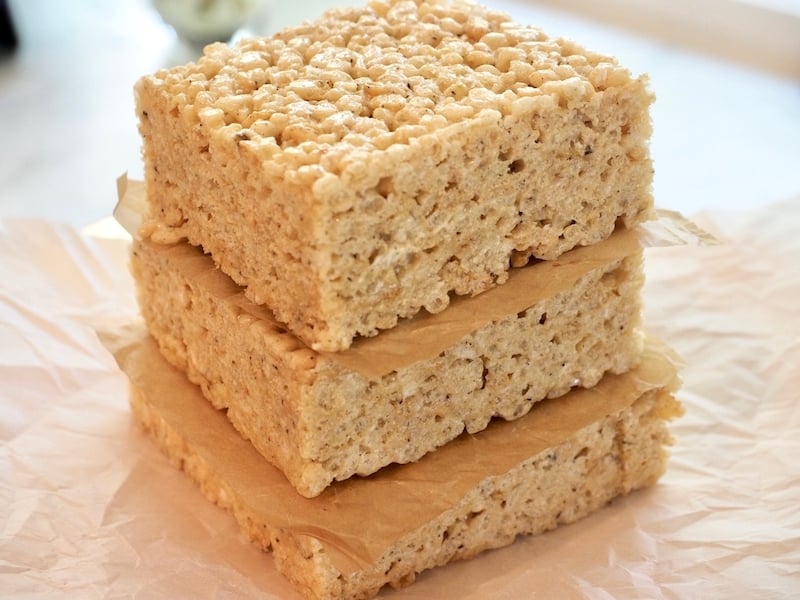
x=513, y=478
x=321, y=417
x=353, y=170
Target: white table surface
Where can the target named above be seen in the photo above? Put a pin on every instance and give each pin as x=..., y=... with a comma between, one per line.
x=726, y=136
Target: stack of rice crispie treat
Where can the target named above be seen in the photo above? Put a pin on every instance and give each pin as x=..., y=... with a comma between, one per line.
x=397, y=248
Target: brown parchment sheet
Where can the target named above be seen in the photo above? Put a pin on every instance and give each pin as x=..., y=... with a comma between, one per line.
x=427, y=335
x=397, y=500
x=90, y=509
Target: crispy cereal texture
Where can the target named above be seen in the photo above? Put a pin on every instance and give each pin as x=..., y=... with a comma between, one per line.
x=354, y=170
x=319, y=421
x=608, y=458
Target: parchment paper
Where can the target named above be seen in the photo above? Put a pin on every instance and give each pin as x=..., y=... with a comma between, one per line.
x=427, y=335
x=395, y=501
x=89, y=509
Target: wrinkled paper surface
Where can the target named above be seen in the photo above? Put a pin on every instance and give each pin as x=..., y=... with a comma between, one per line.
x=91, y=509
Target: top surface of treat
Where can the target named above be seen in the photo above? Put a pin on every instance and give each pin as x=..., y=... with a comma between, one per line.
x=363, y=79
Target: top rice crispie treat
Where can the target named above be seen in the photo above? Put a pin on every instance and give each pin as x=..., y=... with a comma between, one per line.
x=353, y=170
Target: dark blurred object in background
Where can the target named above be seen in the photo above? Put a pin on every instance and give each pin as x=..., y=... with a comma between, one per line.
x=8, y=35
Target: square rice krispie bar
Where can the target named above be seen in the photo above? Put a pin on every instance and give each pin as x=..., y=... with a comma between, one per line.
x=514, y=478
x=356, y=169
x=321, y=417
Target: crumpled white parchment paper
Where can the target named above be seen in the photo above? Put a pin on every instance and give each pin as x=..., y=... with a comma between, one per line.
x=89, y=508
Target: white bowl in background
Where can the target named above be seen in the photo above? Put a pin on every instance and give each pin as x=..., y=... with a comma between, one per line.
x=201, y=22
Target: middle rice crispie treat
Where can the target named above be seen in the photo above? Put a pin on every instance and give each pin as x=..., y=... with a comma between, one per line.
x=321, y=417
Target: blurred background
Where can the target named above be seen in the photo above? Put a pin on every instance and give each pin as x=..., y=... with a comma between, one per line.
x=726, y=74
